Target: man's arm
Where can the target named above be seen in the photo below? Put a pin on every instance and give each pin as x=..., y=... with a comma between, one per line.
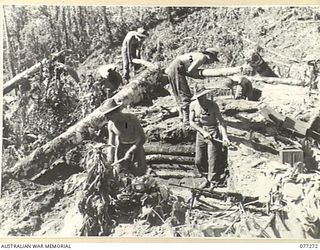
x=111, y=141
x=221, y=126
x=140, y=139
x=194, y=125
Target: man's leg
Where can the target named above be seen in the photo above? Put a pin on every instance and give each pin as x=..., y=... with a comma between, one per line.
x=213, y=150
x=126, y=67
x=185, y=97
x=140, y=160
x=123, y=167
x=173, y=78
x=201, y=159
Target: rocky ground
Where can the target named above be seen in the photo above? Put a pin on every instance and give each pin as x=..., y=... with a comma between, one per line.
x=51, y=208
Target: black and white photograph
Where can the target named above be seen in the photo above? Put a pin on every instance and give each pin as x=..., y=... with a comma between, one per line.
x=160, y=122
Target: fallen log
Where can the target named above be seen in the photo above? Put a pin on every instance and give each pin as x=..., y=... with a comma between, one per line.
x=269, y=80
x=174, y=167
x=297, y=126
x=231, y=106
x=11, y=84
x=41, y=158
x=272, y=116
x=293, y=125
x=165, y=174
x=169, y=149
x=173, y=159
x=224, y=71
x=203, y=72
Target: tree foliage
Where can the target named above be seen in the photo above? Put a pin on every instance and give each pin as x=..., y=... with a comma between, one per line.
x=36, y=32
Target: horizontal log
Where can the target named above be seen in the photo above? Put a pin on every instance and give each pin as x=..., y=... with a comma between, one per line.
x=270, y=80
x=167, y=174
x=231, y=106
x=160, y=158
x=271, y=115
x=169, y=149
x=222, y=71
x=288, y=123
x=11, y=84
x=299, y=127
x=174, y=167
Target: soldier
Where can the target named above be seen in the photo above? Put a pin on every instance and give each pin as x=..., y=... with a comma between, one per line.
x=111, y=79
x=312, y=72
x=206, y=118
x=131, y=49
x=243, y=87
x=255, y=60
x=187, y=65
x=127, y=135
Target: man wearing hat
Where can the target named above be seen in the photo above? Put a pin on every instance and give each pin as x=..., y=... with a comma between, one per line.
x=131, y=49
x=187, y=65
x=127, y=135
x=110, y=79
x=206, y=118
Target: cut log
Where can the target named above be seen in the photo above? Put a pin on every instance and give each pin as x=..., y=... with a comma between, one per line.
x=231, y=106
x=167, y=174
x=299, y=127
x=169, y=149
x=223, y=71
x=10, y=85
x=46, y=154
x=270, y=80
x=173, y=159
x=272, y=116
x=173, y=167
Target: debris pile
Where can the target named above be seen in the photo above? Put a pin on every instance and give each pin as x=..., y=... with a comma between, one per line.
x=111, y=198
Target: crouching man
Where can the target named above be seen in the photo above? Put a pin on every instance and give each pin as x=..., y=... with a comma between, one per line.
x=127, y=135
x=206, y=118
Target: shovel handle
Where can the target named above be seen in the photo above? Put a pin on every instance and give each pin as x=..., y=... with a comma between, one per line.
x=118, y=161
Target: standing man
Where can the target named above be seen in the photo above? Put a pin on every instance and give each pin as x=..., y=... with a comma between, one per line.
x=127, y=135
x=187, y=65
x=206, y=118
x=131, y=49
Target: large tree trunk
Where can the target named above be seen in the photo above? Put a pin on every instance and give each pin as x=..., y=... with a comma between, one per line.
x=10, y=85
x=222, y=71
x=64, y=23
x=270, y=80
x=107, y=24
x=46, y=154
x=9, y=52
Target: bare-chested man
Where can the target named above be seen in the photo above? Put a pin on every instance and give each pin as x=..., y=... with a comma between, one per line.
x=187, y=65
x=127, y=135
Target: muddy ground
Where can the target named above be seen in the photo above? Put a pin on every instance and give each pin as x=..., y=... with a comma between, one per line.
x=51, y=210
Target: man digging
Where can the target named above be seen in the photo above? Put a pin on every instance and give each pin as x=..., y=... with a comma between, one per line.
x=127, y=135
x=206, y=118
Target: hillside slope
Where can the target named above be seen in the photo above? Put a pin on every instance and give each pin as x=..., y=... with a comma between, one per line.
x=50, y=209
